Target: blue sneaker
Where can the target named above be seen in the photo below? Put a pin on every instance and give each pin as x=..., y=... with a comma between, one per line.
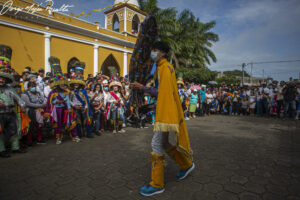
x=183, y=173
x=149, y=190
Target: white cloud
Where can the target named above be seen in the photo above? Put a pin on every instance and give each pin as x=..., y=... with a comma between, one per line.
x=253, y=10
x=261, y=30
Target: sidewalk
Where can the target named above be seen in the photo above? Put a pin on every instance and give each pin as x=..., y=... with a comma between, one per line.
x=236, y=158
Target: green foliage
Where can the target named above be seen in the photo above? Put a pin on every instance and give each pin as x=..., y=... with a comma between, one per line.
x=196, y=75
x=236, y=73
x=190, y=39
x=228, y=80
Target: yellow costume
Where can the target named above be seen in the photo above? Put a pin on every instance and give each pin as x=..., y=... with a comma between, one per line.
x=169, y=113
x=169, y=118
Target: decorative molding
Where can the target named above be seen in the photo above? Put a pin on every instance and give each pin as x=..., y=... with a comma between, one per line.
x=141, y=17
x=109, y=19
x=120, y=15
x=47, y=35
x=125, y=20
x=36, y=30
x=130, y=15
x=128, y=10
x=129, y=6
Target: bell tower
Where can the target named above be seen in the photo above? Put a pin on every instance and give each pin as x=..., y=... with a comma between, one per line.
x=124, y=17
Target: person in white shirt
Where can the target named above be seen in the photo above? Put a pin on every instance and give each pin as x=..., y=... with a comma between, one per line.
x=40, y=80
x=96, y=100
x=41, y=73
x=248, y=92
x=116, y=106
x=105, y=92
x=209, y=99
x=252, y=103
x=47, y=88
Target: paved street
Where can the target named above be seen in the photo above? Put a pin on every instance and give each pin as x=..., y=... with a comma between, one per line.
x=236, y=158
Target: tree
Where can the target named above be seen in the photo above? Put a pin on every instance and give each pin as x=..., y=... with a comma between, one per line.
x=228, y=80
x=236, y=73
x=190, y=40
x=196, y=75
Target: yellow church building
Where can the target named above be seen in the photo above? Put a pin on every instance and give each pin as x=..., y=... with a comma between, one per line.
x=35, y=36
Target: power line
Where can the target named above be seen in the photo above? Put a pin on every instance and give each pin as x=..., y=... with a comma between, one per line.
x=227, y=66
x=273, y=62
x=261, y=62
x=289, y=72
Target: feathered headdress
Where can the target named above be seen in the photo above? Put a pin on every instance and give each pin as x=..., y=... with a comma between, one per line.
x=58, y=78
x=114, y=76
x=77, y=75
x=180, y=79
x=5, y=64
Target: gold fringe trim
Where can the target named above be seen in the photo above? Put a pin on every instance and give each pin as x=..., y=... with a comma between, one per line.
x=164, y=127
x=77, y=81
x=59, y=82
x=156, y=155
x=182, y=149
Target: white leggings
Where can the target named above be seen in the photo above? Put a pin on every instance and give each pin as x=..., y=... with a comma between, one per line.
x=160, y=142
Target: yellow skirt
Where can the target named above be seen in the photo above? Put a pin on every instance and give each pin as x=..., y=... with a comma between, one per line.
x=193, y=108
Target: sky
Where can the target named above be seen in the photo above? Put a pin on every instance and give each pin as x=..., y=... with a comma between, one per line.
x=249, y=31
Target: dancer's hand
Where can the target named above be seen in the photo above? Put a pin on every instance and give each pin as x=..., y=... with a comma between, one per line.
x=136, y=85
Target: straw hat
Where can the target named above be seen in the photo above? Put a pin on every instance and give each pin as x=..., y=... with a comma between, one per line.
x=114, y=77
x=180, y=79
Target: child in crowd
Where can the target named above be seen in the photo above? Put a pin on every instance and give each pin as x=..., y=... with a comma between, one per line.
x=245, y=106
x=215, y=106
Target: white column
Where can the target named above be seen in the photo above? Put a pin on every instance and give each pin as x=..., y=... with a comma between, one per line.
x=105, y=22
x=47, y=52
x=125, y=20
x=125, y=65
x=95, y=59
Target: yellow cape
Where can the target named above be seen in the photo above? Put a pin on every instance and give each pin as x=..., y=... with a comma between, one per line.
x=169, y=113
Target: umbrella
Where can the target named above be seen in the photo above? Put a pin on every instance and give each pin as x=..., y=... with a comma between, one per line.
x=197, y=87
x=212, y=83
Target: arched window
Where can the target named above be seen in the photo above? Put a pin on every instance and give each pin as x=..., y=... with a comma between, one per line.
x=109, y=62
x=116, y=23
x=135, y=24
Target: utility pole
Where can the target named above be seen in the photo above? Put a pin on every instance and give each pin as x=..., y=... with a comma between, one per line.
x=263, y=74
x=251, y=73
x=243, y=75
